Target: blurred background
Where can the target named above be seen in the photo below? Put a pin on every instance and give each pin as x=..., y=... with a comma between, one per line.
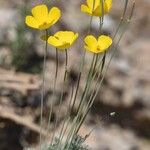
x=126, y=87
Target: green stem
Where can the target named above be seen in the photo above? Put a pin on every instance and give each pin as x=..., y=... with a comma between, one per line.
x=67, y=119
x=54, y=88
x=102, y=17
x=85, y=89
x=62, y=94
x=99, y=85
x=42, y=89
x=78, y=81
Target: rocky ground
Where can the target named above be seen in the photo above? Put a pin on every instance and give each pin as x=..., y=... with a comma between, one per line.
x=126, y=88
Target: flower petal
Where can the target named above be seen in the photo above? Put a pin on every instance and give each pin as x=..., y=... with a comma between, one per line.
x=91, y=50
x=93, y=4
x=108, y=4
x=104, y=42
x=74, y=38
x=31, y=22
x=54, y=15
x=54, y=41
x=44, y=26
x=57, y=43
x=85, y=9
x=99, y=10
x=40, y=13
x=66, y=36
x=91, y=43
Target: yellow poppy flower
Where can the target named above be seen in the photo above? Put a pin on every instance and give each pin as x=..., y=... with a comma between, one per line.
x=94, y=7
x=42, y=19
x=63, y=39
x=97, y=46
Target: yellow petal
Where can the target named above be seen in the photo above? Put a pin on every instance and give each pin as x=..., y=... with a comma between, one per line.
x=40, y=13
x=94, y=7
x=93, y=4
x=85, y=9
x=31, y=22
x=53, y=41
x=63, y=39
x=57, y=43
x=99, y=11
x=91, y=50
x=66, y=36
x=91, y=43
x=108, y=4
x=104, y=42
x=54, y=15
x=44, y=26
x=74, y=38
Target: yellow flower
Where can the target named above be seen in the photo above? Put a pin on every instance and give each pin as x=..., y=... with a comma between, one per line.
x=42, y=19
x=94, y=7
x=63, y=39
x=97, y=46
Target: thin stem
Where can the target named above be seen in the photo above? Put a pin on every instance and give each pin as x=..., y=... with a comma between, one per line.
x=66, y=63
x=98, y=88
x=62, y=94
x=89, y=74
x=78, y=82
x=122, y=18
x=89, y=30
x=86, y=89
x=54, y=88
x=67, y=119
x=42, y=89
x=102, y=17
x=95, y=63
x=76, y=119
x=89, y=82
x=81, y=67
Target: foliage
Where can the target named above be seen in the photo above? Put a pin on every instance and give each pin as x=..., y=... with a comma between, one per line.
x=69, y=139
x=77, y=143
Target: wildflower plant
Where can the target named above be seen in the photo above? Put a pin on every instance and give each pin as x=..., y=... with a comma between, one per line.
x=98, y=46
x=97, y=7
x=42, y=19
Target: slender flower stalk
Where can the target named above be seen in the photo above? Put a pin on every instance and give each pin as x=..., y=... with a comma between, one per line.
x=42, y=89
x=67, y=118
x=54, y=88
x=62, y=94
x=93, y=95
x=61, y=40
x=103, y=59
x=98, y=88
x=92, y=5
x=86, y=86
x=81, y=66
x=122, y=17
x=89, y=77
x=90, y=71
x=42, y=19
